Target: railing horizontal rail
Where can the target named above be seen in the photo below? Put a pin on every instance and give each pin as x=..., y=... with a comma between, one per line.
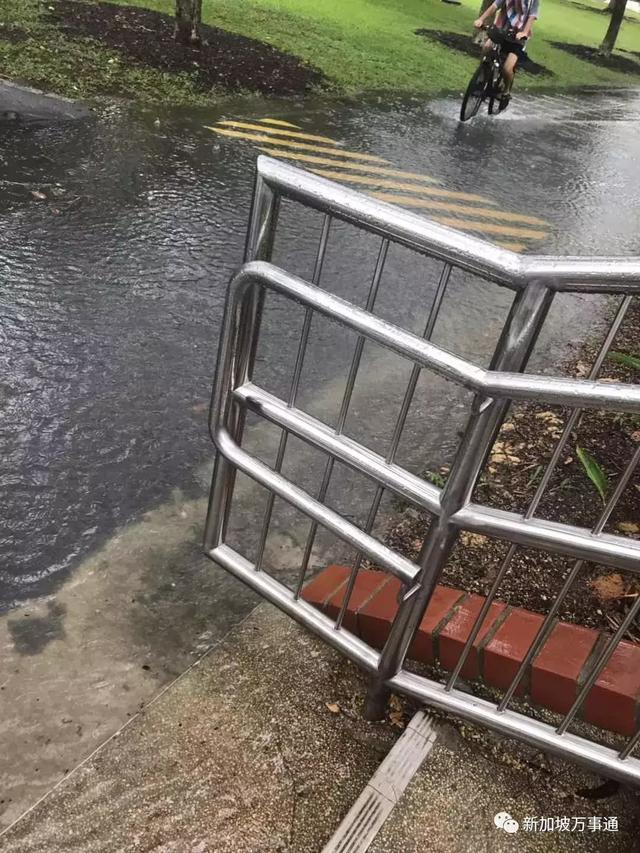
x=516, y=386
x=399, y=225
x=597, y=274
x=270, y=479
x=600, y=758
x=616, y=551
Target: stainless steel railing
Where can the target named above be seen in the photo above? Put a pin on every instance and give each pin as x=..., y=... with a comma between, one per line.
x=535, y=282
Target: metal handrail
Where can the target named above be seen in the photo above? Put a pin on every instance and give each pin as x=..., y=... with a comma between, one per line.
x=535, y=281
x=550, y=390
x=568, y=274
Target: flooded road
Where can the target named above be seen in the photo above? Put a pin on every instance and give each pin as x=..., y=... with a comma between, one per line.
x=118, y=234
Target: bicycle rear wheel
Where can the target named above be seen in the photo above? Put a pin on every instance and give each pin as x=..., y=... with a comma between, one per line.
x=476, y=92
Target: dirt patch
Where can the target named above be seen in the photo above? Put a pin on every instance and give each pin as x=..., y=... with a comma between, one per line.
x=225, y=60
x=465, y=44
x=600, y=597
x=13, y=35
x=615, y=62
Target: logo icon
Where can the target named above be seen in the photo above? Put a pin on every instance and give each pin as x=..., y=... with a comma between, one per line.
x=504, y=821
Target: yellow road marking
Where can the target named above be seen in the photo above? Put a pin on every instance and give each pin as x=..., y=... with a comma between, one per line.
x=278, y=122
x=513, y=247
x=372, y=171
x=286, y=143
x=399, y=199
x=489, y=228
x=358, y=167
x=243, y=125
x=459, y=208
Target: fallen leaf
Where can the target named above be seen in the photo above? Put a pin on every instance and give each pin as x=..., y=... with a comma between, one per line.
x=548, y=416
x=397, y=719
x=609, y=587
x=333, y=707
x=474, y=540
x=628, y=527
x=635, y=436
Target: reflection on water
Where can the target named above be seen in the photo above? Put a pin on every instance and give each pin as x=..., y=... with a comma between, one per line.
x=113, y=288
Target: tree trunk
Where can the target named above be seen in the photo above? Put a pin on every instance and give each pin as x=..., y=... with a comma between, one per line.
x=188, y=20
x=609, y=41
x=478, y=35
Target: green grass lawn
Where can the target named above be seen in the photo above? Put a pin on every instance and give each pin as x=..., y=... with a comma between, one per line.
x=360, y=45
x=370, y=44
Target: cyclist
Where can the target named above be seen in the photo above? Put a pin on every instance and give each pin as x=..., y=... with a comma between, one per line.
x=516, y=16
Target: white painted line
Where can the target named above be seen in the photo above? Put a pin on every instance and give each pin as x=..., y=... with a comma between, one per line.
x=374, y=805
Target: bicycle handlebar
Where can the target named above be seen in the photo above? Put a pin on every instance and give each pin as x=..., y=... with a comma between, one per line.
x=504, y=31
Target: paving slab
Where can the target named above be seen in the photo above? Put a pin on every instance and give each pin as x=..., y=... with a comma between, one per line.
x=261, y=746
x=470, y=777
x=241, y=754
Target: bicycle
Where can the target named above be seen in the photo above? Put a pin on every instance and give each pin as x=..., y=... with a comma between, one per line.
x=487, y=84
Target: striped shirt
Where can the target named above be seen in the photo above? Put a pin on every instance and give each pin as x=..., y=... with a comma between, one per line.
x=516, y=13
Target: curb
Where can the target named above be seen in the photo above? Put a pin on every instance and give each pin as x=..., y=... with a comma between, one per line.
x=554, y=676
x=382, y=794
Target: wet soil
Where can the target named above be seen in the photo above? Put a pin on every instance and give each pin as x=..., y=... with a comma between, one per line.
x=465, y=44
x=224, y=60
x=600, y=597
x=590, y=54
x=13, y=35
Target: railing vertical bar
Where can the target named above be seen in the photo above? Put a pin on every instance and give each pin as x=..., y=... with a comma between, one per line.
x=263, y=220
x=308, y=317
x=576, y=413
x=547, y=625
x=626, y=752
x=598, y=665
x=357, y=355
x=603, y=658
x=295, y=385
x=432, y=318
x=533, y=506
x=434, y=311
x=357, y=563
x=481, y=617
x=526, y=318
x=344, y=410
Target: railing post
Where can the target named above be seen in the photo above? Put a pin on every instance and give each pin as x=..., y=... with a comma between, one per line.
x=527, y=315
x=258, y=247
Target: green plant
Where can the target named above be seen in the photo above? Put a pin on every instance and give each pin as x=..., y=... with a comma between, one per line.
x=594, y=472
x=435, y=479
x=627, y=360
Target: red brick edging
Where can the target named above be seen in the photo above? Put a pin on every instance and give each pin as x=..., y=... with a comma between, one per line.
x=554, y=675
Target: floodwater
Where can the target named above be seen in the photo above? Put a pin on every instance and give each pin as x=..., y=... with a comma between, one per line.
x=113, y=288
x=118, y=233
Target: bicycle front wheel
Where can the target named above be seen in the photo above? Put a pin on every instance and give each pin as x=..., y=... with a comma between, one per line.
x=476, y=92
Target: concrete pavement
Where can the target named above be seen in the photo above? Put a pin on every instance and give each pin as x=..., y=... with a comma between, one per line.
x=243, y=753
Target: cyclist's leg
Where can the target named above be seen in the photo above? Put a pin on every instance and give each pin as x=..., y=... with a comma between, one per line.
x=508, y=73
x=509, y=70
